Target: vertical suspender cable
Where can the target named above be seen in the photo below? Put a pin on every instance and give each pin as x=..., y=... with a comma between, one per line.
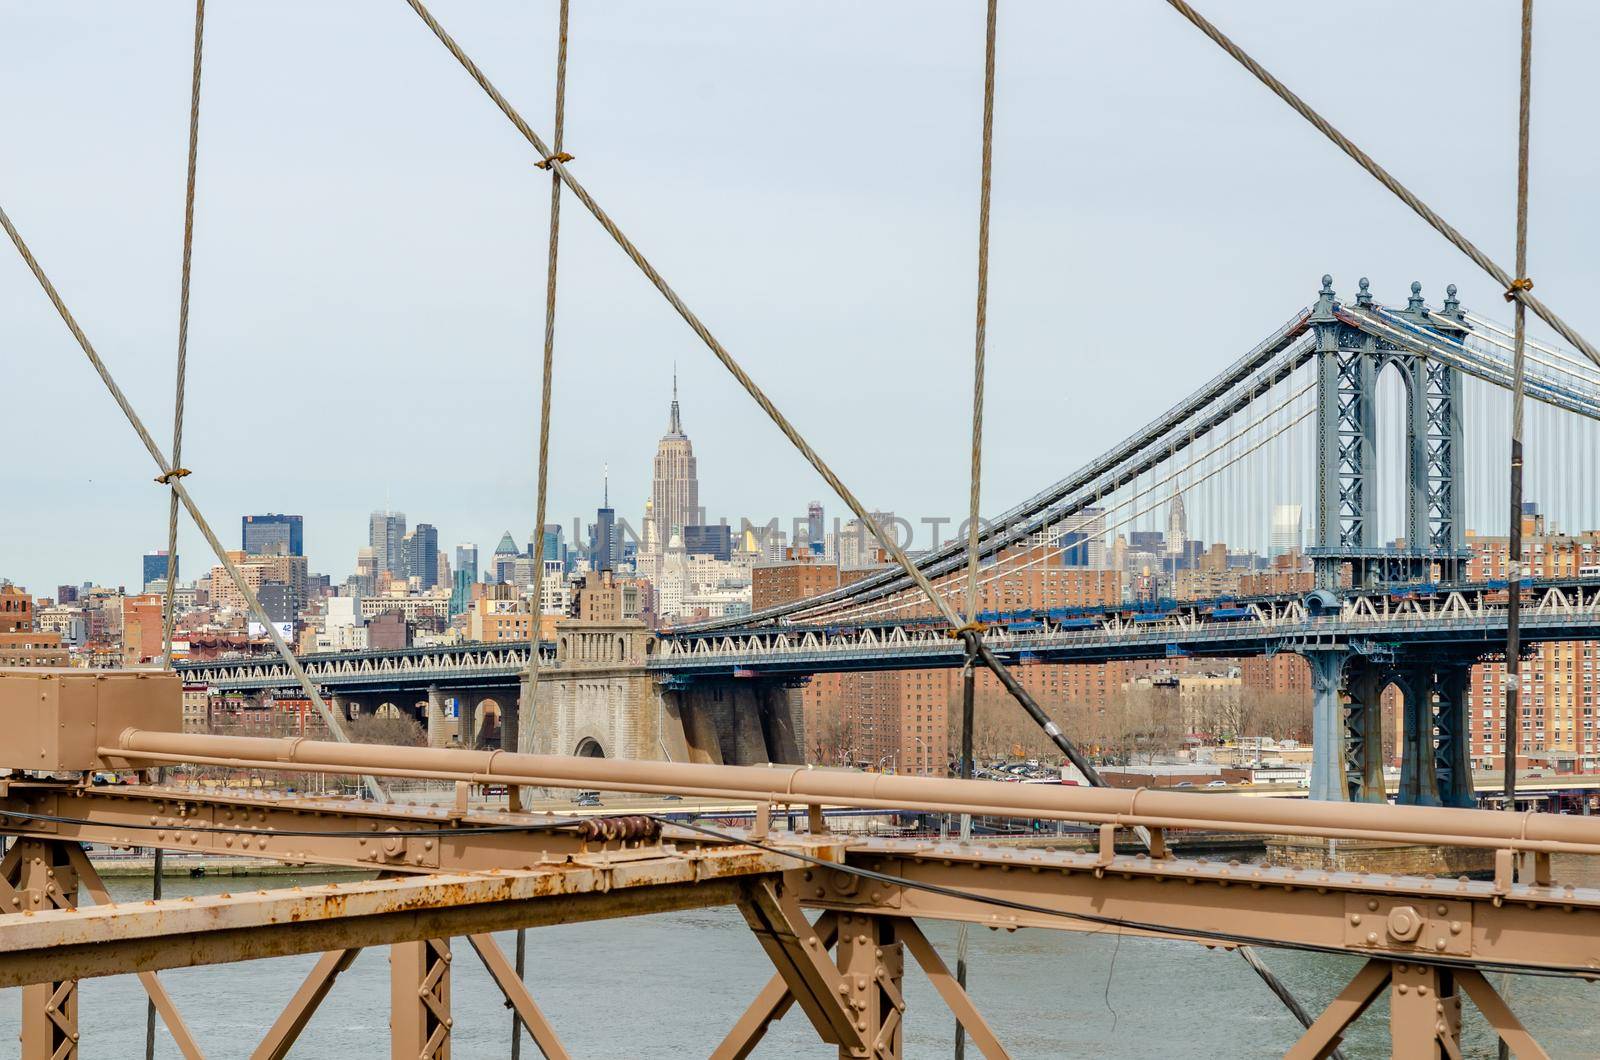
x=1514, y=557
x=169, y=609
x=968, y=691
x=520, y=736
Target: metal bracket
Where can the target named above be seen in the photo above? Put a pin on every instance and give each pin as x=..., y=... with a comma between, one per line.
x=1408, y=926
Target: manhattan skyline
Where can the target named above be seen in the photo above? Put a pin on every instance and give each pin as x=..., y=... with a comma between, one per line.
x=376, y=368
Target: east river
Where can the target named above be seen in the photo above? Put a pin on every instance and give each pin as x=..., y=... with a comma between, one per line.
x=671, y=985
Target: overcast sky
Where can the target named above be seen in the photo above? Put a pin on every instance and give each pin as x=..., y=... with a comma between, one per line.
x=369, y=257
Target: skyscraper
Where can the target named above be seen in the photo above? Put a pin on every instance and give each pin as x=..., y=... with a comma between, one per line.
x=603, y=542
x=155, y=567
x=466, y=573
x=1177, y=525
x=273, y=535
x=386, y=534
x=467, y=560
x=816, y=540
x=422, y=555
x=505, y=558
x=675, y=492
x=1285, y=528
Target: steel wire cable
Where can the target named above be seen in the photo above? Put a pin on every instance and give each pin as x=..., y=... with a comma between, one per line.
x=169, y=609
x=900, y=601
x=967, y=714
x=1518, y=294
x=519, y=736
x=335, y=727
x=890, y=544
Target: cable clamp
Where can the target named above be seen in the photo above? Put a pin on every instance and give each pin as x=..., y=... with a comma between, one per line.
x=165, y=479
x=1523, y=284
x=970, y=627
x=560, y=156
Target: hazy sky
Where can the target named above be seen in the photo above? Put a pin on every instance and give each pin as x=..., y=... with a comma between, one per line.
x=369, y=259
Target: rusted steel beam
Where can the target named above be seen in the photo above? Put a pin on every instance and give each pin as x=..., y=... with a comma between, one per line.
x=349, y=832
x=516, y=992
x=772, y=1004
x=285, y=1030
x=1551, y=833
x=38, y=876
x=214, y=929
x=1472, y=923
x=165, y=1007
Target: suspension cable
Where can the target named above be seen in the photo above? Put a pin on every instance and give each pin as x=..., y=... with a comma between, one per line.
x=1517, y=290
x=968, y=691
x=1514, y=543
x=890, y=544
x=899, y=601
x=1130, y=518
x=169, y=610
x=1098, y=494
x=519, y=736
x=169, y=477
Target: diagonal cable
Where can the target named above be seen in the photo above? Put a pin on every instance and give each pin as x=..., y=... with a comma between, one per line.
x=844, y=493
x=169, y=477
x=1516, y=290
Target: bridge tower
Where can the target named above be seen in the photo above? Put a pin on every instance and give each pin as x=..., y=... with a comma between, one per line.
x=1352, y=352
x=1354, y=347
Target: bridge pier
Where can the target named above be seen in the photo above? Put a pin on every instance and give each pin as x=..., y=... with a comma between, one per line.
x=1327, y=723
x=440, y=727
x=738, y=721
x=1364, y=755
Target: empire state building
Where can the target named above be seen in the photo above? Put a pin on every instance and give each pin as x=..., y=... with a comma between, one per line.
x=675, y=492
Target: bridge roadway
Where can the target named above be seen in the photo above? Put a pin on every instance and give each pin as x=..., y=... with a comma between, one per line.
x=464, y=666
x=1460, y=618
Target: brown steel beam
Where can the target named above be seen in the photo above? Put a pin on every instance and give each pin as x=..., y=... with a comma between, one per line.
x=164, y=1006
x=516, y=992
x=38, y=877
x=1499, y=1015
x=1424, y=1013
x=419, y=1000
x=1521, y=926
x=772, y=1004
x=285, y=1030
x=955, y=996
x=1322, y=1038
x=801, y=958
x=215, y=929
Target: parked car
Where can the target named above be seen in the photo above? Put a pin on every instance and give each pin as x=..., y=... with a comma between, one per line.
x=1217, y=784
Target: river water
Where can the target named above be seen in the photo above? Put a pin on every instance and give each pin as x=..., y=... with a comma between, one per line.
x=671, y=985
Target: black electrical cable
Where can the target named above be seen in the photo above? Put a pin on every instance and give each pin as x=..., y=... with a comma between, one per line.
x=1222, y=937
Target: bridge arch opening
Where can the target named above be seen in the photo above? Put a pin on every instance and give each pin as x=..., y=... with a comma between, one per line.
x=589, y=747
x=1389, y=480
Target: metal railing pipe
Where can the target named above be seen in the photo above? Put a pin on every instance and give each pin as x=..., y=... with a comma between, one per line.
x=798, y=785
